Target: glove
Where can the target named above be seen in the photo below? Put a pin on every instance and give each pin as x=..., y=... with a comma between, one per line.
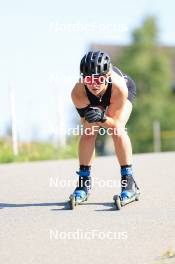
x=95, y=114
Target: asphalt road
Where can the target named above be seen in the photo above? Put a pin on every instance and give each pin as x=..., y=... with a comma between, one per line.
x=37, y=227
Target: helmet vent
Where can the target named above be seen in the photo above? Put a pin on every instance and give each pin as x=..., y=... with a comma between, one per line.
x=105, y=67
x=99, y=59
x=93, y=56
x=98, y=69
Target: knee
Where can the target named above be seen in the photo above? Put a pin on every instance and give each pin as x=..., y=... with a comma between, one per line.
x=88, y=137
x=120, y=133
x=90, y=132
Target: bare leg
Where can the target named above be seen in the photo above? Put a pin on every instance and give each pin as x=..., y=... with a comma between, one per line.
x=86, y=148
x=123, y=149
x=122, y=143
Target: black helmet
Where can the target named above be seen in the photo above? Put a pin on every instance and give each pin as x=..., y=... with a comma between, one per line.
x=95, y=62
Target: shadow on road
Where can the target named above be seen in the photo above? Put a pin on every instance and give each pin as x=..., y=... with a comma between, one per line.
x=8, y=205
x=63, y=205
x=109, y=205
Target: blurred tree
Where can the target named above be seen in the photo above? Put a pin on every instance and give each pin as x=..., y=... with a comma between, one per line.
x=146, y=63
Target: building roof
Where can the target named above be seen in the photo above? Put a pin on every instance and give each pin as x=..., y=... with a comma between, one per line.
x=115, y=50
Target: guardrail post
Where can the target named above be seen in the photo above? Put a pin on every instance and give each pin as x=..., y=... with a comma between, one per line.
x=13, y=121
x=157, y=136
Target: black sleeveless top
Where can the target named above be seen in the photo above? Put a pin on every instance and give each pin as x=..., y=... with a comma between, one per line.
x=104, y=100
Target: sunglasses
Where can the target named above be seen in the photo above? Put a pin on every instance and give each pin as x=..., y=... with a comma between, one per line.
x=94, y=79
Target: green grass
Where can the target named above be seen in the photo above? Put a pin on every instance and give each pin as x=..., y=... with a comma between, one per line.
x=37, y=151
x=34, y=151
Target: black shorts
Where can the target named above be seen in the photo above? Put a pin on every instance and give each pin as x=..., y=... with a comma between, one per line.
x=129, y=83
x=131, y=88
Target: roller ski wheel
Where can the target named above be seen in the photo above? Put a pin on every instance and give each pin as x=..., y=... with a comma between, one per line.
x=117, y=202
x=120, y=201
x=74, y=201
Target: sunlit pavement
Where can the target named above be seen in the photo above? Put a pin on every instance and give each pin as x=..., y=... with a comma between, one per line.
x=36, y=225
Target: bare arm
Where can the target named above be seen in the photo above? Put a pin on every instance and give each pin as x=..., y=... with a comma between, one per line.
x=79, y=99
x=118, y=100
x=78, y=96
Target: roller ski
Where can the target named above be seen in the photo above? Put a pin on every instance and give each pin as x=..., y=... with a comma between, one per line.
x=130, y=192
x=82, y=191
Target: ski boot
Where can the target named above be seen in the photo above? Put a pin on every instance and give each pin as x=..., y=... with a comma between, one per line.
x=130, y=192
x=82, y=191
